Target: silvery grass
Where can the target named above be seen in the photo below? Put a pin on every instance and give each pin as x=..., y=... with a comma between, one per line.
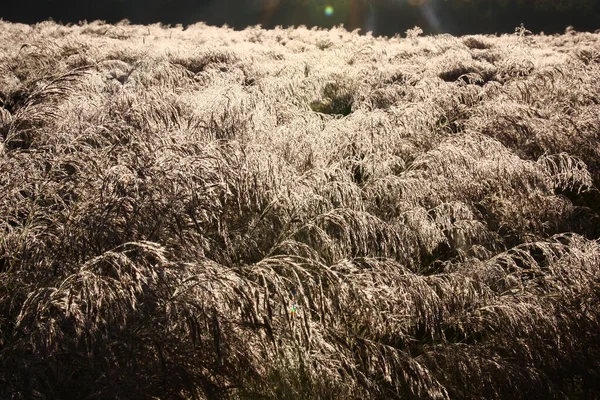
x=428, y=207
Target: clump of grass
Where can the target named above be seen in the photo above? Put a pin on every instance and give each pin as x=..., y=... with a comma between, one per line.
x=588, y=55
x=192, y=226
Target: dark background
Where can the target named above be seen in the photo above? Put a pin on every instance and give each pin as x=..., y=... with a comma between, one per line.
x=382, y=17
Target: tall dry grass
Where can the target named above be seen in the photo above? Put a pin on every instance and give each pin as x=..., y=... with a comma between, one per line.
x=296, y=213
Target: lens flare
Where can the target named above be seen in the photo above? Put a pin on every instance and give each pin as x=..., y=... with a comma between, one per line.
x=329, y=11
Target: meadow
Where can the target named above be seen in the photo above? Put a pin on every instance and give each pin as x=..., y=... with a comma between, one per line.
x=298, y=214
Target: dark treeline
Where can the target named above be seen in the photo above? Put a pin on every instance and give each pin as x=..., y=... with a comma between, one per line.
x=382, y=17
x=501, y=16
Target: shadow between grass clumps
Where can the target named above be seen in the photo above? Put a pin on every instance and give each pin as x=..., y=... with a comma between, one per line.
x=337, y=99
x=473, y=42
x=468, y=74
x=200, y=62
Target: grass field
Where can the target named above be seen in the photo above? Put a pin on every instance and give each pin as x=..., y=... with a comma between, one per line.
x=298, y=214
